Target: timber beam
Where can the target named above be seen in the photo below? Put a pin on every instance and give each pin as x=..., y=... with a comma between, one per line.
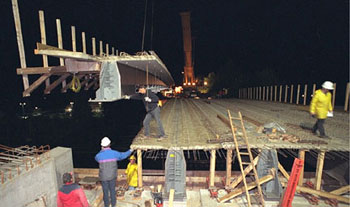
x=56, y=83
x=91, y=84
x=41, y=70
x=34, y=85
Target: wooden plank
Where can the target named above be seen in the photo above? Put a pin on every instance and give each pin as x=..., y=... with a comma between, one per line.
x=313, y=89
x=107, y=49
x=139, y=168
x=305, y=94
x=56, y=83
x=34, y=85
x=74, y=41
x=298, y=94
x=283, y=171
x=60, y=53
x=43, y=41
x=333, y=95
x=301, y=177
x=241, y=190
x=83, y=42
x=113, y=51
x=228, y=166
x=93, y=46
x=291, y=93
x=41, y=70
x=267, y=92
x=319, y=169
x=22, y=55
x=341, y=190
x=347, y=93
x=212, y=168
x=320, y=193
x=249, y=168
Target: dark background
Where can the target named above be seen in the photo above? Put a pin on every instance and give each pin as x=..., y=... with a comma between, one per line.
x=245, y=43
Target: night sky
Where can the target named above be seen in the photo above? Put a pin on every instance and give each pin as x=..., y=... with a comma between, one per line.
x=259, y=42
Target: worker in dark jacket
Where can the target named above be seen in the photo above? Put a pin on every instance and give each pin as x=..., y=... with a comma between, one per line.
x=70, y=194
x=150, y=100
x=107, y=159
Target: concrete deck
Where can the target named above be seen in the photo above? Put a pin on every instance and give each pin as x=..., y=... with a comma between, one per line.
x=194, y=125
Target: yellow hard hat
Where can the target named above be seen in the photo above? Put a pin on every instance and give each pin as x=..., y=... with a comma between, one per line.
x=132, y=157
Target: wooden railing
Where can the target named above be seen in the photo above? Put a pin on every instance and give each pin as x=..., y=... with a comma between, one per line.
x=286, y=94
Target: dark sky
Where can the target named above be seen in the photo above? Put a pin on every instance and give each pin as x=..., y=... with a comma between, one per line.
x=300, y=40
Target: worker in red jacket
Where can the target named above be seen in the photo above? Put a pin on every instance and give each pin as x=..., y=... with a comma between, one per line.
x=70, y=194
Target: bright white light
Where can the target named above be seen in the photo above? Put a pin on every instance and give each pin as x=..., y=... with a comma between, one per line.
x=71, y=103
x=205, y=83
x=193, y=84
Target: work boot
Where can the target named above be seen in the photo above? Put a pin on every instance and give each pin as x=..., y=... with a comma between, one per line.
x=324, y=136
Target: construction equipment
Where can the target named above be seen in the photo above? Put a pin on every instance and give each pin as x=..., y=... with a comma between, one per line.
x=187, y=40
x=246, y=153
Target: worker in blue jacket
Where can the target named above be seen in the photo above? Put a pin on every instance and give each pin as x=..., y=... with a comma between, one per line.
x=107, y=159
x=150, y=100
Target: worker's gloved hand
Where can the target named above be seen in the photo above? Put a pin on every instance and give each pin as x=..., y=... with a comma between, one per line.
x=126, y=97
x=147, y=99
x=313, y=115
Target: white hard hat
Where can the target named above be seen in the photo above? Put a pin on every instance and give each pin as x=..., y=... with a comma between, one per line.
x=105, y=142
x=328, y=85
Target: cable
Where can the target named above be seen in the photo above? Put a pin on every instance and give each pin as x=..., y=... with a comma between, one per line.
x=144, y=27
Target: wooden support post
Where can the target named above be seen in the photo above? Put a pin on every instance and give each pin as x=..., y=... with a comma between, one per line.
x=271, y=91
x=59, y=38
x=228, y=166
x=113, y=51
x=298, y=94
x=43, y=41
x=291, y=93
x=280, y=97
x=83, y=42
x=333, y=95
x=91, y=84
x=260, y=93
x=107, y=49
x=263, y=93
x=305, y=94
x=275, y=93
x=74, y=45
x=212, y=168
x=301, y=157
x=93, y=46
x=267, y=92
x=22, y=55
x=101, y=48
x=319, y=169
x=285, y=94
x=347, y=93
x=139, y=168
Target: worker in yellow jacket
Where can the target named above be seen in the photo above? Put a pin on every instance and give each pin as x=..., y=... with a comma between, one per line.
x=321, y=106
x=131, y=173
